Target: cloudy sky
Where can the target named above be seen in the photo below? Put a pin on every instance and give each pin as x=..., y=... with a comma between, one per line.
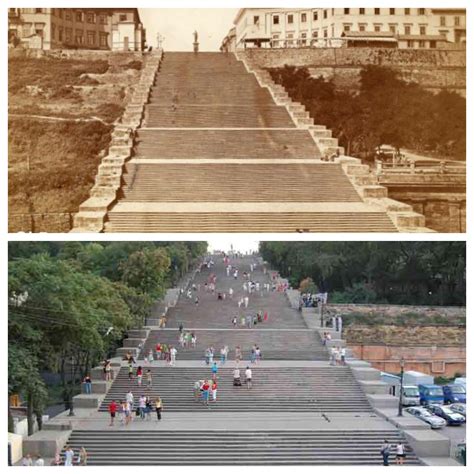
x=178, y=24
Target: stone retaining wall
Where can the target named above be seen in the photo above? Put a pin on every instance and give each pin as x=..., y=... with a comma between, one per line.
x=432, y=69
x=364, y=182
x=93, y=211
x=60, y=222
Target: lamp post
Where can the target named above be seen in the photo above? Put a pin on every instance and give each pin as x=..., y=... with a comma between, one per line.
x=71, y=407
x=400, y=399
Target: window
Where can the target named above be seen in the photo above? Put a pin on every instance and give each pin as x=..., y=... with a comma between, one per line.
x=325, y=33
x=38, y=10
x=410, y=44
x=103, y=40
x=347, y=27
x=290, y=19
x=60, y=34
x=407, y=11
x=432, y=44
x=256, y=20
x=361, y=11
x=325, y=13
x=361, y=27
x=68, y=35
x=376, y=27
x=103, y=19
x=60, y=12
x=79, y=17
x=303, y=18
x=421, y=44
x=276, y=20
x=79, y=37
x=422, y=30
x=68, y=15
x=393, y=29
x=303, y=39
x=90, y=18
x=347, y=11
x=289, y=41
x=392, y=11
x=315, y=16
x=456, y=21
x=442, y=21
x=91, y=38
x=315, y=34
x=123, y=17
x=377, y=11
x=421, y=11
x=407, y=29
x=53, y=31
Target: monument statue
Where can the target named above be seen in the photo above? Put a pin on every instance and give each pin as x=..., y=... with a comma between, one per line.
x=196, y=43
x=195, y=36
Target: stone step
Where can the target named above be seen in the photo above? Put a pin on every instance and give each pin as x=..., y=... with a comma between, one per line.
x=237, y=182
x=298, y=389
x=248, y=222
x=236, y=448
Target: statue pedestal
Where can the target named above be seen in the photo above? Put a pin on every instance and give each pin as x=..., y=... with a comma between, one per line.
x=196, y=47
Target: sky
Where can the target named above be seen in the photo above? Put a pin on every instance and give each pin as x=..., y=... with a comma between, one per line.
x=178, y=24
x=240, y=243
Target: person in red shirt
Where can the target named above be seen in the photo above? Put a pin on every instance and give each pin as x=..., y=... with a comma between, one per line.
x=158, y=351
x=205, y=391
x=112, y=411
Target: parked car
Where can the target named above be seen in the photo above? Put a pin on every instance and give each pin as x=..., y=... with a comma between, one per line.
x=423, y=414
x=454, y=393
x=459, y=408
x=430, y=394
x=446, y=413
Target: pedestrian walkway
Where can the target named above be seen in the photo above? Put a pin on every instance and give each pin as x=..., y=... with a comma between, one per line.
x=215, y=141
x=299, y=410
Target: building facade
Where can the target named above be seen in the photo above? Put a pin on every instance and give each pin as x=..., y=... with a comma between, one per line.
x=327, y=27
x=117, y=29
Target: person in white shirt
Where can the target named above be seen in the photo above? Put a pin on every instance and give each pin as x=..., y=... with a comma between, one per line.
x=237, y=382
x=69, y=456
x=39, y=461
x=173, y=353
x=400, y=453
x=231, y=292
x=246, y=301
x=248, y=377
x=343, y=356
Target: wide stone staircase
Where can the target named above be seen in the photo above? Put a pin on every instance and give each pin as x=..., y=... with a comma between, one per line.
x=275, y=344
x=295, y=389
x=216, y=153
x=299, y=411
x=152, y=447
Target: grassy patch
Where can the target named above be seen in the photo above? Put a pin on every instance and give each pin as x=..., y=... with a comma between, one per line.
x=53, y=163
x=49, y=159
x=50, y=73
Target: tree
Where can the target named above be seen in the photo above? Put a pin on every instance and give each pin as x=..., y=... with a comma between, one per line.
x=146, y=270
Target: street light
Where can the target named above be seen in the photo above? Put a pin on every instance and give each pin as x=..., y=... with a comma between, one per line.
x=71, y=407
x=400, y=399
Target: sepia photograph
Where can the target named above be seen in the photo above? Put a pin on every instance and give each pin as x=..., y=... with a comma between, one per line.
x=237, y=353
x=237, y=120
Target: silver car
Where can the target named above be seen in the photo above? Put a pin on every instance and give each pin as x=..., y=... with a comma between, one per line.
x=459, y=408
x=423, y=414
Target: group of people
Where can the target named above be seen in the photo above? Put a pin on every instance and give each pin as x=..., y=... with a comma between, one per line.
x=206, y=390
x=166, y=352
x=248, y=377
x=126, y=408
x=337, y=356
x=386, y=450
x=70, y=458
x=250, y=320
